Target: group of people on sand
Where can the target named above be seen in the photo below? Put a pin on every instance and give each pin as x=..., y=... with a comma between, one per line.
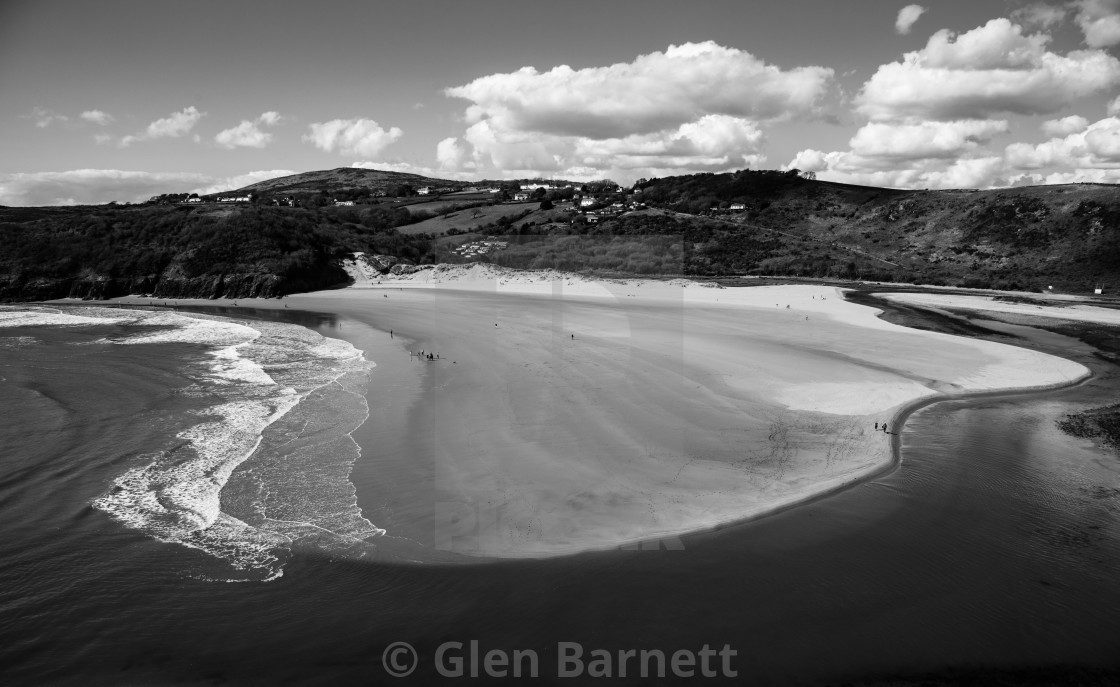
x=884, y=427
x=424, y=356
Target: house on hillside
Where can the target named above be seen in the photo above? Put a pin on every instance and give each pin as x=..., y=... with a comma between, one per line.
x=737, y=207
x=343, y=202
x=424, y=191
x=196, y=199
x=587, y=202
x=521, y=195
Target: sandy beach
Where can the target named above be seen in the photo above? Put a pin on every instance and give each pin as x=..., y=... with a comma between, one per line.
x=565, y=414
x=1061, y=309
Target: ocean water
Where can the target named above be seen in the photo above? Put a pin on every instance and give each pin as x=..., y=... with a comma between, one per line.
x=229, y=439
x=993, y=549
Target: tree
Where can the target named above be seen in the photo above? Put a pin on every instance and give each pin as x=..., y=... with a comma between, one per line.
x=546, y=204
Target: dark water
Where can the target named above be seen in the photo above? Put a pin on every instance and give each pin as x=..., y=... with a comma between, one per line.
x=994, y=547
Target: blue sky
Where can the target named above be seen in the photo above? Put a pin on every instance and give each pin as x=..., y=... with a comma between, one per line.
x=119, y=100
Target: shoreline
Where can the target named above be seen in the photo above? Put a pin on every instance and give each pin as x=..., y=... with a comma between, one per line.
x=797, y=493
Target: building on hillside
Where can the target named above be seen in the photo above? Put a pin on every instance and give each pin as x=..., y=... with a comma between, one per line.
x=521, y=195
x=196, y=199
x=424, y=191
x=343, y=202
x=735, y=207
x=587, y=202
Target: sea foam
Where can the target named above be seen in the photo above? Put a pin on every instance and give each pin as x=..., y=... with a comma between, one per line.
x=250, y=376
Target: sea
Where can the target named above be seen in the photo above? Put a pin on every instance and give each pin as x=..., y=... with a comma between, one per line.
x=185, y=500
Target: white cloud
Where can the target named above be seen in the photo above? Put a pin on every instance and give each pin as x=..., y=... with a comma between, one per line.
x=1039, y=15
x=175, y=125
x=98, y=117
x=215, y=185
x=95, y=186
x=1099, y=21
x=989, y=70
x=846, y=167
x=270, y=118
x=248, y=133
x=658, y=91
x=1065, y=126
x=360, y=137
x=906, y=18
x=918, y=154
x=44, y=117
x=102, y=139
x=923, y=140
x=1096, y=146
x=693, y=107
x=1114, y=107
x=1087, y=153
x=453, y=154
x=91, y=186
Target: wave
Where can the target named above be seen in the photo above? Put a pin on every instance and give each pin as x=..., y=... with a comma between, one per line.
x=263, y=384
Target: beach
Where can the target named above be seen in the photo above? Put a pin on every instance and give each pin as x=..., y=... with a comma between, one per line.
x=566, y=414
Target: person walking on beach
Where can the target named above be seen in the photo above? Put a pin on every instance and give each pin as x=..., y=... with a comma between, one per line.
x=876, y=426
x=390, y=333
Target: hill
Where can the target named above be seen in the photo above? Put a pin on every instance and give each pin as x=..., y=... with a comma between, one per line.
x=185, y=251
x=762, y=223
x=342, y=179
x=1067, y=236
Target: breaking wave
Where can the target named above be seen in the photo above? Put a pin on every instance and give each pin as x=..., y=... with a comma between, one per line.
x=265, y=465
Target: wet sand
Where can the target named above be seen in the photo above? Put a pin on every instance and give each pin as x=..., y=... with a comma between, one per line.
x=565, y=415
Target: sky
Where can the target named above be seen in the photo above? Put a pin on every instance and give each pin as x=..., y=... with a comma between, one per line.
x=118, y=100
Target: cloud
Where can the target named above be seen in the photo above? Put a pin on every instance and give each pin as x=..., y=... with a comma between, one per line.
x=658, y=91
x=44, y=117
x=923, y=140
x=359, y=137
x=1096, y=146
x=95, y=186
x=453, y=154
x=692, y=107
x=270, y=118
x=989, y=70
x=1039, y=15
x=102, y=139
x=1099, y=21
x=175, y=125
x=847, y=167
x=214, y=185
x=906, y=18
x=1087, y=152
x=248, y=133
x=82, y=186
x=1114, y=107
x=97, y=117
x=1065, y=126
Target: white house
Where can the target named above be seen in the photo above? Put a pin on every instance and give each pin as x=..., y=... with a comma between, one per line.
x=587, y=202
x=521, y=195
x=344, y=202
x=738, y=206
x=424, y=191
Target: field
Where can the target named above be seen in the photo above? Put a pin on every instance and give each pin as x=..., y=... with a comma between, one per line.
x=475, y=219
